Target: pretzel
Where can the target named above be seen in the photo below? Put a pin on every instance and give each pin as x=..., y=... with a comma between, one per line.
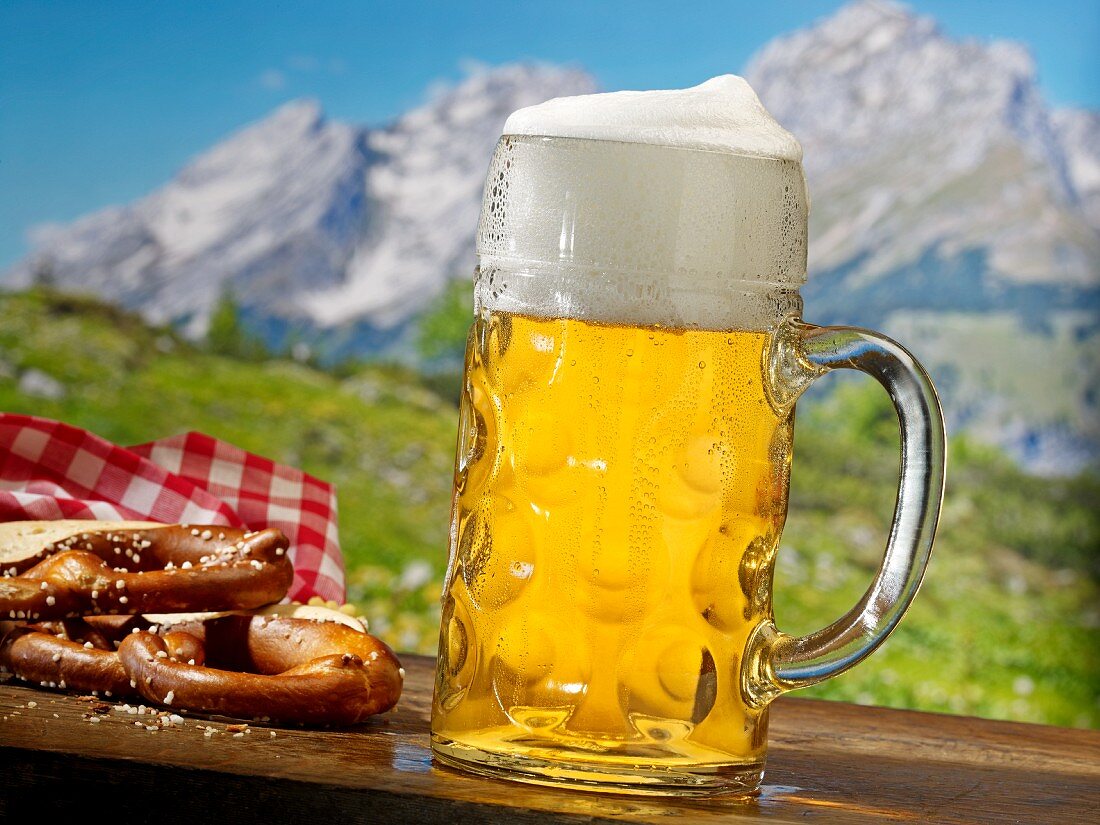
x=78, y=656
x=295, y=671
x=269, y=667
x=138, y=569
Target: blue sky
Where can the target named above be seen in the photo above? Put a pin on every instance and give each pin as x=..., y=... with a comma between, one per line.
x=102, y=101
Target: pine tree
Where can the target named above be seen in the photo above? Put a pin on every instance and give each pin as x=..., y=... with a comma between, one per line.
x=225, y=335
x=43, y=276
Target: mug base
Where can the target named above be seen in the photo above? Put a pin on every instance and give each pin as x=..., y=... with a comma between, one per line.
x=713, y=779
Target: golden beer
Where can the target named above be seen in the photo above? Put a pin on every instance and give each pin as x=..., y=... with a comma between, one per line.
x=619, y=495
x=624, y=451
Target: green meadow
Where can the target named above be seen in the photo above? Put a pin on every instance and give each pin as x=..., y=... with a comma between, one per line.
x=1007, y=624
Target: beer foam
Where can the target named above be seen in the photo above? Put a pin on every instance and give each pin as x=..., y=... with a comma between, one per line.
x=721, y=115
x=679, y=208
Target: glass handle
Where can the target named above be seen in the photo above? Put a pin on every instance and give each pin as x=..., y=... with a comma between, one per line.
x=776, y=662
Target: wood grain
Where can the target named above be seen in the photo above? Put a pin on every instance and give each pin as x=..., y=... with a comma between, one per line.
x=828, y=762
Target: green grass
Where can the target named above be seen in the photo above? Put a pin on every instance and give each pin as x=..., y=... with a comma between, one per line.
x=1007, y=624
x=384, y=440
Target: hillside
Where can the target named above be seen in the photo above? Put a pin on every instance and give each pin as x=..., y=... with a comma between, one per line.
x=1007, y=624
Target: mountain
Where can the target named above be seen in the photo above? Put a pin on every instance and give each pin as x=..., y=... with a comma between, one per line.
x=312, y=224
x=880, y=98
x=424, y=191
x=1079, y=132
x=952, y=208
x=273, y=208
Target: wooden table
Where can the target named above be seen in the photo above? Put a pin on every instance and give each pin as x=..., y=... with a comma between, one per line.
x=828, y=762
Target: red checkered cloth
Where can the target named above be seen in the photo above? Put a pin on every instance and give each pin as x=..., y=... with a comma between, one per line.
x=50, y=470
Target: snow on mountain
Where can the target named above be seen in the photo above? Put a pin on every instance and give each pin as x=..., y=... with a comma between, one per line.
x=425, y=194
x=307, y=221
x=276, y=206
x=915, y=142
x=1079, y=132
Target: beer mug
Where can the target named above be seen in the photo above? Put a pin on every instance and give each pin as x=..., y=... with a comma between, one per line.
x=622, y=470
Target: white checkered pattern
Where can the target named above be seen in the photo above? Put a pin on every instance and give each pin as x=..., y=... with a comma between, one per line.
x=50, y=470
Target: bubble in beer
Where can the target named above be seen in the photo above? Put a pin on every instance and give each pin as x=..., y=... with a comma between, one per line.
x=496, y=530
x=694, y=488
x=455, y=644
x=541, y=441
x=755, y=574
x=716, y=576
x=661, y=673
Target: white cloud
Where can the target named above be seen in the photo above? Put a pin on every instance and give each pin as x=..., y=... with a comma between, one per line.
x=298, y=67
x=473, y=67
x=303, y=63
x=273, y=79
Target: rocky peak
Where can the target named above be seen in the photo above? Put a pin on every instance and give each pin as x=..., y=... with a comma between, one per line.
x=875, y=72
